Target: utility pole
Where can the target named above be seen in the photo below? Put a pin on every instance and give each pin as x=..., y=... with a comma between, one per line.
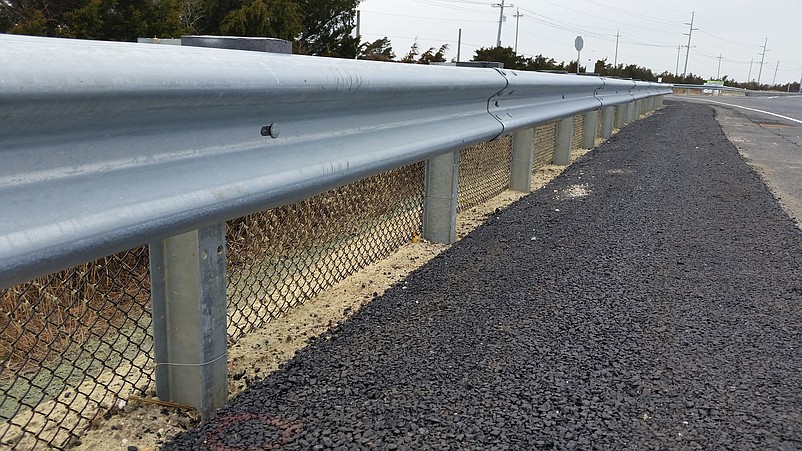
x=617, y=35
x=776, y=68
x=358, y=33
x=718, y=73
x=501, y=6
x=459, y=43
x=749, y=78
x=688, y=50
x=679, y=49
x=762, y=59
x=517, y=16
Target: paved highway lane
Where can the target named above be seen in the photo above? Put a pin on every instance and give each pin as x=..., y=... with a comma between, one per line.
x=768, y=133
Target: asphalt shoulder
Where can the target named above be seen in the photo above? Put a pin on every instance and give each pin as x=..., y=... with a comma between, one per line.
x=649, y=297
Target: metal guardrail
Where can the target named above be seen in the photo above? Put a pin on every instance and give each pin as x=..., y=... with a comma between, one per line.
x=729, y=90
x=109, y=145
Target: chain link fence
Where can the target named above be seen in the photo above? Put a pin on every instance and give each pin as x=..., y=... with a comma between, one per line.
x=545, y=139
x=74, y=345
x=285, y=256
x=484, y=172
x=578, y=131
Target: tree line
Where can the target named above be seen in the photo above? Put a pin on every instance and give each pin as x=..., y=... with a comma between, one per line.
x=315, y=27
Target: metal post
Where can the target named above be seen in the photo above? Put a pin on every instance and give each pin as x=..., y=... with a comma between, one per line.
x=589, y=134
x=620, y=116
x=523, y=148
x=608, y=119
x=629, y=113
x=188, y=277
x=188, y=290
x=562, y=148
x=440, y=199
x=660, y=102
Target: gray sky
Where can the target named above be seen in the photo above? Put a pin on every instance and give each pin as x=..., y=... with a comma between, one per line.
x=650, y=31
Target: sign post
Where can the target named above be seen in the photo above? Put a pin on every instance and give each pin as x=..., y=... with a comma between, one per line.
x=579, y=43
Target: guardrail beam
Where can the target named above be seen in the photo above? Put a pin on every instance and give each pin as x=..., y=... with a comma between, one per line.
x=440, y=198
x=523, y=155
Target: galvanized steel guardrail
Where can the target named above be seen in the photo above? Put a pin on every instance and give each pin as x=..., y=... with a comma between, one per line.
x=109, y=145
x=106, y=146
x=730, y=90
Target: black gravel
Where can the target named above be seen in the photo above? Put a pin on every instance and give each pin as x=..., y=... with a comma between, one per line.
x=659, y=311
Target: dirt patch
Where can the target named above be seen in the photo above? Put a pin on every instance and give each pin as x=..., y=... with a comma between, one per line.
x=145, y=426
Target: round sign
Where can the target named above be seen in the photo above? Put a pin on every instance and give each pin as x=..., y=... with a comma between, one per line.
x=579, y=43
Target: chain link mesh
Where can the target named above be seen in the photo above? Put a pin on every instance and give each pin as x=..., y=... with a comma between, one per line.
x=578, y=132
x=287, y=255
x=75, y=343
x=545, y=138
x=599, y=124
x=484, y=172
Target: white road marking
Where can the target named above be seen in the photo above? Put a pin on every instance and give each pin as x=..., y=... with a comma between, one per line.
x=756, y=110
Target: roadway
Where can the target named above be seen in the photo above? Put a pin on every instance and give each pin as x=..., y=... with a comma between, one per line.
x=768, y=133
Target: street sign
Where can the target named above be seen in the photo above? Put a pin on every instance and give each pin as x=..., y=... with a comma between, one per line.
x=579, y=43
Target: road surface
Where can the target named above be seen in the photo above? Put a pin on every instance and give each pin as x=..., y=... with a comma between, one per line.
x=768, y=132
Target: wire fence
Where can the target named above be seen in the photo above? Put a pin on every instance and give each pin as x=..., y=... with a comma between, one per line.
x=484, y=172
x=74, y=345
x=545, y=139
x=578, y=132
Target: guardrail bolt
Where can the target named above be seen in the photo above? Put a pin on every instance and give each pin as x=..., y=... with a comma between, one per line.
x=271, y=130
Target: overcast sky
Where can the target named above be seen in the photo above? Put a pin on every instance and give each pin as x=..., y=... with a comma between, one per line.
x=650, y=31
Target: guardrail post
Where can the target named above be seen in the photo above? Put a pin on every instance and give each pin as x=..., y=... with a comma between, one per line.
x=188, y=286
x=562, y=148
x=629, y=113
x=660, y=101
x=620, y=116
x=188, y=289
x=589, y=134
x=440, y=199
x=523, y=148
x=608, y=119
